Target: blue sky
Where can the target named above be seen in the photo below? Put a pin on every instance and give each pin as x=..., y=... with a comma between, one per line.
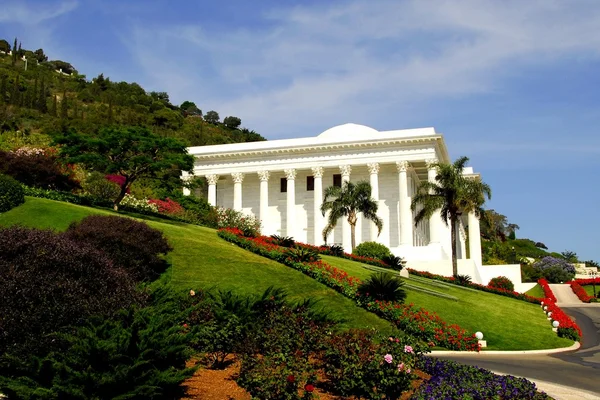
x=511, y=84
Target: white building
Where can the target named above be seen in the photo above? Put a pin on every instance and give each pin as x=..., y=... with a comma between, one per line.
x=282, y=183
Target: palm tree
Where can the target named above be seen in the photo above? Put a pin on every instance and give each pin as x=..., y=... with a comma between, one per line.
x=348, y=201
x=452, y=194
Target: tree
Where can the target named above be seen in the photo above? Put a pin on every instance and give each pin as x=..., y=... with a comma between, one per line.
x=190, y=108
x=452, y=194
x=64, y=106
x=131, y=152
x=4, y=46
x=14, y=53
x=212, y=117
x=495, y=226
x=348, y=201
x=40, y=56
x=570, y=256
x=232, y=122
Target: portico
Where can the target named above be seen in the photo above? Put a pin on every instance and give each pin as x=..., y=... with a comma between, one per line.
x=282, y=183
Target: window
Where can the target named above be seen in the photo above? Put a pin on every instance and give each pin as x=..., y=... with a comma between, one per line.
x=310, y=183
x=337, y=180
x=283, y=185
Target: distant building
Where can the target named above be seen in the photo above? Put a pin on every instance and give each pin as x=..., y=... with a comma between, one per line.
x=282, y=183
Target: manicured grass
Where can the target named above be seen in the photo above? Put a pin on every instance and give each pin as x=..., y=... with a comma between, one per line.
x=201, y=259
x=589, y=289
x=507, y=324
x=536, y=291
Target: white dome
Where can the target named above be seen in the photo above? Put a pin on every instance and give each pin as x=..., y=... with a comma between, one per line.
x=348, y=132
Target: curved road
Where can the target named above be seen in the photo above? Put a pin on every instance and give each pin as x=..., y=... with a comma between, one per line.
x=578, y=369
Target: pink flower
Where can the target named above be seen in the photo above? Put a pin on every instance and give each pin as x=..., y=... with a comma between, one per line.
x=408, y=370
x=400, y=367
x=388, y=358
x=391, y=339
x=408, y=349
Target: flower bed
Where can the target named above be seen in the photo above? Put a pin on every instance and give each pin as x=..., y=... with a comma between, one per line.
x=415, y=321
x=580, y=292
x=567, y=327
x=501, y=292
x=326, y=250
x=451, y=380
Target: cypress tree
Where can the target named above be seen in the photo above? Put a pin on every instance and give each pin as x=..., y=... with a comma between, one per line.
x=15, y=95
x=33, y=100
x=54, y=109
x=14, y=53
x=3, y=88
x=42, y=104
x=64, y=107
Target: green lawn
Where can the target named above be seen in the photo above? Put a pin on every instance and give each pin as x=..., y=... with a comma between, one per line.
x=536, y=291
x=589, y=289
x=507, y=324
x=201, y=259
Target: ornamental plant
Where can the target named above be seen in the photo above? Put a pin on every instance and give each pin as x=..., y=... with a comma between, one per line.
x=372, y=249
x=50, y=281
x=11, y=193
x=248, y=224
x=580, y=292
x=501, y=282
x=142, y=205
x=384, y=286
x=567, y=327
x=555, y=270
x=167, y=206
x=128, y=243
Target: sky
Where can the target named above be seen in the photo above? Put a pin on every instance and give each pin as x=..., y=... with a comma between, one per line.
x=513, y=84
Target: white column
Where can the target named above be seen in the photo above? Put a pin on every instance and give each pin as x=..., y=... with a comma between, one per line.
x=291, y=202
x=435, y=220
x=212, y=189
x=345, y=170
x=238, y=178
x=462, y=240
x=406, y=222
x=474, y=238
x=318, y=201
x=374, y=181
x=263, y=210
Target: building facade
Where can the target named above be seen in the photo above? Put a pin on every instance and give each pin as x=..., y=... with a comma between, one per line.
x=282, y=183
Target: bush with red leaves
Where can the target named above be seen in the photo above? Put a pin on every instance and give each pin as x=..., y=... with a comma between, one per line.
x=48, y=282
x=128, y=243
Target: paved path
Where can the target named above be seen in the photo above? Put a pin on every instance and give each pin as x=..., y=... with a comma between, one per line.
x=564, y=295
x=564, y=376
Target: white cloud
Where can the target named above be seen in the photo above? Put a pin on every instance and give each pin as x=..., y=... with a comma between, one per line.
x=29, y=14
x=358, y=61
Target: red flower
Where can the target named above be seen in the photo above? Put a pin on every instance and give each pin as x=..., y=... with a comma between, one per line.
x=309, y=388
x=291, y=379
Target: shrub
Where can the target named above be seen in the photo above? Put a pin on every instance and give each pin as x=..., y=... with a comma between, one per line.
x=463, y=280
x=383, y=286
x=335, y=250
x=372, y=249
x=283, y=241
x=128, y=243
x=502, y=282
x=136, y=354
x=362, y=364
x=37, y=169
x=393, y=262
x=98, y=186
x=167, y=206
x=248, y=224
x=11, y=193
x=302, y=255
x=129, y=202
x=555, y=270
x=50, y=281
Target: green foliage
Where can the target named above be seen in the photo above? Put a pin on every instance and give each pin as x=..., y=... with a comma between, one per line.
x=463, y=280
x=450, y=195
x=11, y=193
x=137, y=354
x=232, y=122
x=98, y=186
x=130, y=244
x=131, y=152
x=49, y=282
x=366, y=365
x=228, y=218
x=502, y=282
x=495, y=226
x=383, y=286
x=394, y=262
x=372, y=249
x=555, y=270
x=302, y=255
x=348, y=201
x=212, y=117
x=283, y=241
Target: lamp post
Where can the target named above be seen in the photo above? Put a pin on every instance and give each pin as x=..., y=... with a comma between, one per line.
x=594, y=274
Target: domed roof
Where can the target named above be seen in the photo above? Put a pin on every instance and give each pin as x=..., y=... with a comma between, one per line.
x=348, y=132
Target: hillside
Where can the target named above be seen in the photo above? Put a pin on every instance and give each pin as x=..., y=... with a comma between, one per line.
x=39, y=97
x=201, y=259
